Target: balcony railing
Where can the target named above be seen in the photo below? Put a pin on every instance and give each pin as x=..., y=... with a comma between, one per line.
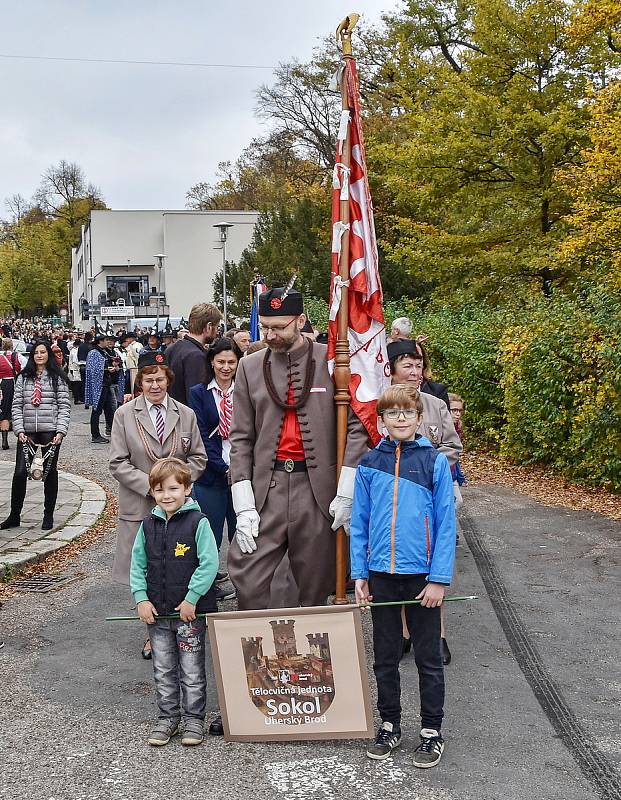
x=143, y=304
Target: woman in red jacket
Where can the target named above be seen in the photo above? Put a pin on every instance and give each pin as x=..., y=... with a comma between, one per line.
x=9, y=370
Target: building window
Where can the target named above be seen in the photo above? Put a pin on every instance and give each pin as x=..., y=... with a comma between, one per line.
x=134, y=290
x=80, y=267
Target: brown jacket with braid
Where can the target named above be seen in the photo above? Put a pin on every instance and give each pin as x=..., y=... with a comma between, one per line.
x=257, y=421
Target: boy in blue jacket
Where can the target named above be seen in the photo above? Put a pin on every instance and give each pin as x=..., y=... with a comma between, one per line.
x=402, y=547
x=173, y=568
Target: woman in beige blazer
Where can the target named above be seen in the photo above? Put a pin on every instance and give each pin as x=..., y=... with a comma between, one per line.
x=152, y=426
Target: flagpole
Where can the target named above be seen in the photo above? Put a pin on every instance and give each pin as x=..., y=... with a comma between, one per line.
x=342, y=372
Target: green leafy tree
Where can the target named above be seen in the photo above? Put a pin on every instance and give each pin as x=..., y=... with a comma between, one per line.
x=293, y=239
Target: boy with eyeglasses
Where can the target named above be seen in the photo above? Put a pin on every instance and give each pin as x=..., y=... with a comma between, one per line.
x=402, y=546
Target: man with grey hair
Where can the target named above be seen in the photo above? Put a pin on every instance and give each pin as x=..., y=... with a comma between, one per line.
x=401, y=329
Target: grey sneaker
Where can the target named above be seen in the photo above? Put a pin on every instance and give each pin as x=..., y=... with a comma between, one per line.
x=193, y=732
x=225, y=594
x=163, y=731
x=388, y=737
x=430, y=749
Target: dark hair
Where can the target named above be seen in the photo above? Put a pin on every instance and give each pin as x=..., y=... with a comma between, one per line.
x=394, y=361
x=223, y=345
x=53, y=370
x=427, y=373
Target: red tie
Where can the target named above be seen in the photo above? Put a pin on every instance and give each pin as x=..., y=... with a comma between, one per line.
x=225, y=413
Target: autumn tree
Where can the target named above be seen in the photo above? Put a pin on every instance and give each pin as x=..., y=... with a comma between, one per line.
x=65, y=195
x=33, y=268
x=270, y=172
x=490, y=107
x=36, y=239
x=594, y=239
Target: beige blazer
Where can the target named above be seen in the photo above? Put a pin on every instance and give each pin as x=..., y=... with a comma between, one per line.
x=257, y=420
x=437, y=426
x=130, y=465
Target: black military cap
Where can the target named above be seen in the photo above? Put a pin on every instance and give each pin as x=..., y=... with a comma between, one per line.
x=152, y=358
x=404, y=347
x=273, y=304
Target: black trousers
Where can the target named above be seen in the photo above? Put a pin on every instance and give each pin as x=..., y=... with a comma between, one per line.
x=77, y=390
x=107, y=404
x=424, y=626
x=20, y=476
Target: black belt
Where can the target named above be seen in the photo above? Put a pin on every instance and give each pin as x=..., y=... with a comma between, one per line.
x=289, y=465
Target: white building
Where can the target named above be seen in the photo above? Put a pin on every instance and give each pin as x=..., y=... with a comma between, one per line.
x=114, y=267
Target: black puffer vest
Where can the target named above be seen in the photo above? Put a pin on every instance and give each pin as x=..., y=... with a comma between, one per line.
x=171, y=560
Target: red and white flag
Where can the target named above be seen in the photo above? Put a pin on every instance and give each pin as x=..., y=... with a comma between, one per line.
x=370, y=371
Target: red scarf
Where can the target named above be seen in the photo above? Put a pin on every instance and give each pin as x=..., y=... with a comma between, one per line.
x=36, y=392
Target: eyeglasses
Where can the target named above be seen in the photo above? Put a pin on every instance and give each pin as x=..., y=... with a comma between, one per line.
x=395, y=413
x=154, y=381
x=276, y=328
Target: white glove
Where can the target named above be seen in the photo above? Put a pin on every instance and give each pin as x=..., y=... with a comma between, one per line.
x=247, y=516
x=340, y=507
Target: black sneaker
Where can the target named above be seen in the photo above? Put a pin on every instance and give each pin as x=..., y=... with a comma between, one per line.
x=221, y=577
x=430, y=749
x=100, y=440
x=388, y=737
x=225, y=594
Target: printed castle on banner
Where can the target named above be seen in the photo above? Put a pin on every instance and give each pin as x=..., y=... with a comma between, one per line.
x=289, y=688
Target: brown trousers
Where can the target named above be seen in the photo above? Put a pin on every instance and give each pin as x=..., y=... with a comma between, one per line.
x=291, y=523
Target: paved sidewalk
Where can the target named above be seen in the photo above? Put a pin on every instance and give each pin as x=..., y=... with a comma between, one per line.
x=79, y=504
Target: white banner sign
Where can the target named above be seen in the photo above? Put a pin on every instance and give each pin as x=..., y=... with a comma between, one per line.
x=117, y=311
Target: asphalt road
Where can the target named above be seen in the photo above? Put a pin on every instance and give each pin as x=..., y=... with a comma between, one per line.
x=533, y=693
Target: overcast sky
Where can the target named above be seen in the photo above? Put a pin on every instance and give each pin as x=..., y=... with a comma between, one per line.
x=144, y=134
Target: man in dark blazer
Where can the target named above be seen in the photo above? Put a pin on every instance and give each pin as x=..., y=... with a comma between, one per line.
x=187, y=357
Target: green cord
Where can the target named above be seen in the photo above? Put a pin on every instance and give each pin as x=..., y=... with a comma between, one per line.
x=453, y=598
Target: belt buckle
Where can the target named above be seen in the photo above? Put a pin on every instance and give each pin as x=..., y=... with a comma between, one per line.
x=289, y=465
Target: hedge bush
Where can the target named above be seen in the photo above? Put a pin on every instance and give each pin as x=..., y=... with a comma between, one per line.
x=541, y=379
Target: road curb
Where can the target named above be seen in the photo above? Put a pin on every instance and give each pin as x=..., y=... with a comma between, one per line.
x=93, y=501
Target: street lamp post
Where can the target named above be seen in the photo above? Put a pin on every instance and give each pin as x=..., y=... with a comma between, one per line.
x=159, y=263
x=223, y=227
x=69, y=314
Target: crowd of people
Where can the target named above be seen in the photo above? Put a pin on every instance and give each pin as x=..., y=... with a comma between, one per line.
x=207, y=428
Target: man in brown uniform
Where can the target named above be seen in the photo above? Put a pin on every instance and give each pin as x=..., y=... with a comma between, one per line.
x=283, y=460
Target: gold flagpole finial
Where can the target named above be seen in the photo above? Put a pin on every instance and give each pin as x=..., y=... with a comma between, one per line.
x=343, y=32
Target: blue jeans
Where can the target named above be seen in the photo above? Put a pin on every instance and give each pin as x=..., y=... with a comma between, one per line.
x=178, y=650
x=424, y=627
x=216, y=503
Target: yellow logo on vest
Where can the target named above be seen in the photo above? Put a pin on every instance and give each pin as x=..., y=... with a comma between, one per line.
x=181, y=549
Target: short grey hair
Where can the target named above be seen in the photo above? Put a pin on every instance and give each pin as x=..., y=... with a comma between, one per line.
x=403, y=325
